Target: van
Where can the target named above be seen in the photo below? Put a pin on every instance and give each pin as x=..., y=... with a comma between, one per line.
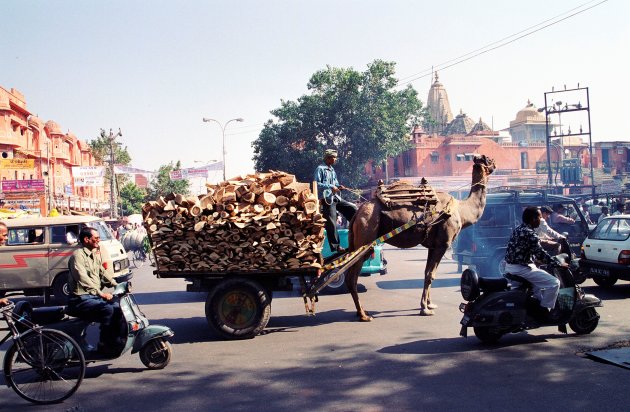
x=35, y=257
x=482, y=246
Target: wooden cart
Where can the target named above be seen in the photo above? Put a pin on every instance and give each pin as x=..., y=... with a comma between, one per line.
x=238, y=305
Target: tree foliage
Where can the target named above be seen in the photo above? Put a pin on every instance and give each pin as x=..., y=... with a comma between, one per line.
x=359, y=114
x=102, y=151
x=131, y=198
x=162, y=185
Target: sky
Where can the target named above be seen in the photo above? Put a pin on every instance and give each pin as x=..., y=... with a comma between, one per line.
x=155, y=68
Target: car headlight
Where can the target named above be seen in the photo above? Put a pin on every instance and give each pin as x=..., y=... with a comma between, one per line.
x=117, y=266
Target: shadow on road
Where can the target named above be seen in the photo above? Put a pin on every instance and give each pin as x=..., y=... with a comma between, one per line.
x=460, y=344
x=616, y=292
x=168, y=297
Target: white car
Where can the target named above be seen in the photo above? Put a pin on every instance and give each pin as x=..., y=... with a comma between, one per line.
x=605, y=255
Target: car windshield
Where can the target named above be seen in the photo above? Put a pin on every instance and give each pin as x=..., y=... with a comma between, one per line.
x=612, y=229
x=102, y=229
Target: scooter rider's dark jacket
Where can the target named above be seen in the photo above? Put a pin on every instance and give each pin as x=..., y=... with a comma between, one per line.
x=524, y=245
x=87, y=275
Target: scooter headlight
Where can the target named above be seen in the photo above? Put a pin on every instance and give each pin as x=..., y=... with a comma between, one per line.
x=129, y=288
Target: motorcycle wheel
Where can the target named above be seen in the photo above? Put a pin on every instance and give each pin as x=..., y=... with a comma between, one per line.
x=156, y=354
x=585, y=321
x=487, y=334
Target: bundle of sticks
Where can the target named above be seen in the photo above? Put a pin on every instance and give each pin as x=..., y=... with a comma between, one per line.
x=264, y=221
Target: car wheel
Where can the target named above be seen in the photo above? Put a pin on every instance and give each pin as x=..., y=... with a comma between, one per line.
x=605, y=281
x=61, y=289
x=496, y=266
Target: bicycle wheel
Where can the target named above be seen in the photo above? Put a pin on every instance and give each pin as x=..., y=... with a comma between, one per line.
x=138, y=258
x=47, y=367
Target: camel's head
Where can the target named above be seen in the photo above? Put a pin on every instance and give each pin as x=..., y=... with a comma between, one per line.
x=486, y=164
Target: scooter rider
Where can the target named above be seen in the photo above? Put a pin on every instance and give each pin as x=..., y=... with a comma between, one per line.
x=86, y=281
x=522, y=247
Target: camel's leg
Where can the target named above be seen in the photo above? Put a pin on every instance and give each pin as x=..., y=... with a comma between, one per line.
x=352, y=278
x=433, y=260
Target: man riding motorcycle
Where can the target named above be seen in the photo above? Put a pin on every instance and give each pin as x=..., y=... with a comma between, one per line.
x=523, y=246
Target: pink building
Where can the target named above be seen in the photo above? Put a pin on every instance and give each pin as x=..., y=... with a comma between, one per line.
x=53, y=154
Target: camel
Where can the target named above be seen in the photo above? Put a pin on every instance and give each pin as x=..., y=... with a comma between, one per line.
x=369, y=223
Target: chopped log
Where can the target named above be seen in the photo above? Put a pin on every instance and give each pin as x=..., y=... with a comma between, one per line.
x=282, y=200
x=266, y=199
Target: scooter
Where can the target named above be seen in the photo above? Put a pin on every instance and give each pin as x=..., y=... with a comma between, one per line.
x=496, y=306
x=137, y=335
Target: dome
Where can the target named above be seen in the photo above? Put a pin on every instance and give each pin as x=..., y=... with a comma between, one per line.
x=481, y=128
x=53, y=128
x=528, y=114
x=462, y=124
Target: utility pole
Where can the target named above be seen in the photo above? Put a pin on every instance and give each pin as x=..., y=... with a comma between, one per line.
x=111, y=139
x=559, y=107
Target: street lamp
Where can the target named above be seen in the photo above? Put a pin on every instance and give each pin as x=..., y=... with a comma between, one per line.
x=223, y=127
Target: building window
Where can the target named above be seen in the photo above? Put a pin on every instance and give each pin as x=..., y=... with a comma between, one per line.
x=459, y=157
x=468, y=156
x=524, y=162
x=435, y=157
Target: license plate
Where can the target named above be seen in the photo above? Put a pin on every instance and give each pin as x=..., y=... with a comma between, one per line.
x=599, y=271
x=465, y=320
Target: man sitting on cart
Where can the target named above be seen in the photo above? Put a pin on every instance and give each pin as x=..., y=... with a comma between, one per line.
x=329, y=192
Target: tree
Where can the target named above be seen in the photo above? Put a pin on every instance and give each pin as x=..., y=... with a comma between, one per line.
x=162, y=184
x=102, y=150
x=132, y=197
x=359, y=114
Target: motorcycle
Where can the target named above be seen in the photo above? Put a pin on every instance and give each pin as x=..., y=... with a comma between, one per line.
x=496, y=306
x=136, y=334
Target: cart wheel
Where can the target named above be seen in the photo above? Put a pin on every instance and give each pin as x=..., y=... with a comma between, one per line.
x=238, y=308
x=337, y=286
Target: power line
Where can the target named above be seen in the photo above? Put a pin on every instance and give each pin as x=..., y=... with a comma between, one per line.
x=499, y=43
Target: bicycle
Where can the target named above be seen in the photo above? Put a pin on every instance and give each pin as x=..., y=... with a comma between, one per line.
x=141, y=254
x=43, y=366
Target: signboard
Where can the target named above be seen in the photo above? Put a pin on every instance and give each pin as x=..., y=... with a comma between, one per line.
x=89, y=181
x=189, y=173
x=33, y=185
x=88, y=171
x=176, y=175
x=17, y=163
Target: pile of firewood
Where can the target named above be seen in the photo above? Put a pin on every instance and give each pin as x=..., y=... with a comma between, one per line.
x=265, y=221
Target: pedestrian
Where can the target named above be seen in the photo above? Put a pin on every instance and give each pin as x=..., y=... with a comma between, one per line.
x=587, y=215
x=329, y=191
x=603, y=214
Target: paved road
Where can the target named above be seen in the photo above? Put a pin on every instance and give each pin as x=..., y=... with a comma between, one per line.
x=400, y=361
